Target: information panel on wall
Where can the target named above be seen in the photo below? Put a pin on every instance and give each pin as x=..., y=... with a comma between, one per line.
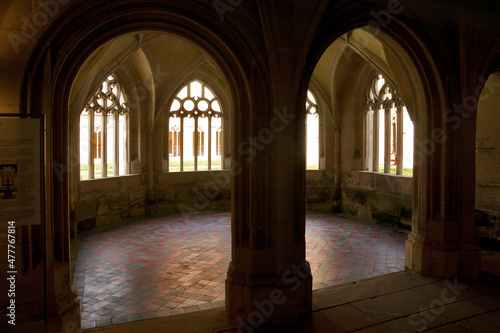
x=20, y=170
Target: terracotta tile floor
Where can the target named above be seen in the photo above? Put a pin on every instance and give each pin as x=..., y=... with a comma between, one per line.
x=171, y=265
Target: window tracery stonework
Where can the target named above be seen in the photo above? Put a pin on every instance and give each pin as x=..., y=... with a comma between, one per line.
x=104, y=132
x=195, y=129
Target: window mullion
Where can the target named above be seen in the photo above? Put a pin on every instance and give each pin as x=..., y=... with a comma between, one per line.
x=126, y=138
x=387, y=140
x=91, y=144
x=181, y=144
x=321, y=136
x=399, y=141
x=209, y=143
x=366, y=140
x=196, y=142
x=221, y=142
x=116, y=166
x=104, y=146
x=306, y=135
x=376, y=120
x=170, y=143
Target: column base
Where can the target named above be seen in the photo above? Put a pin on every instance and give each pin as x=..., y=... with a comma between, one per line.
x=441, y=261
x=256, y=299
x=416, y=254
x=67, y=319
x=428, y=259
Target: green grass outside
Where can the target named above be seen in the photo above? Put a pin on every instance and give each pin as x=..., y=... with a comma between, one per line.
x=203, y=165
x=216, y=165
x=406, y=171
x=189, y=165
x=84, y=171
x=312, y=166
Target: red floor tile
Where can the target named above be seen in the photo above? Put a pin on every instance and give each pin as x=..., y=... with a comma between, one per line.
x=159, y=266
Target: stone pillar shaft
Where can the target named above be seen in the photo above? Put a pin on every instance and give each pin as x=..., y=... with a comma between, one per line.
x=268, y=277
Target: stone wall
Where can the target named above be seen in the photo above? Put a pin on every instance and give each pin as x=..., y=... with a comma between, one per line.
x=381, y=198
x=320, y=191
x=110, y=201
x=189, y=192
x=488, y=161
x=107, y=201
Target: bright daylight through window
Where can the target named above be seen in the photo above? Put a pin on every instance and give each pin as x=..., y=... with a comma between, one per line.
x=388, y=131
x=312, y=133
x=195, y=130
x=104, y=133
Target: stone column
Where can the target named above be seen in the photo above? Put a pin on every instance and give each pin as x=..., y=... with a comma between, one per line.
x=269, y=279
x=432, y=246
x=470, y=249
x=442, y=242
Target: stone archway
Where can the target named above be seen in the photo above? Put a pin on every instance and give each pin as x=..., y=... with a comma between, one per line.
x=50, y=97
x=344, y=74
x=438, y=244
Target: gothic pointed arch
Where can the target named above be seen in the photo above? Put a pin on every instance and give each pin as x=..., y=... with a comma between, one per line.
x=49, y=78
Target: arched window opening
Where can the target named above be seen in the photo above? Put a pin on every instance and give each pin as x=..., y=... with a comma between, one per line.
x=195, y=130
x=104, y=132
x=312, y=133
x=388, y=131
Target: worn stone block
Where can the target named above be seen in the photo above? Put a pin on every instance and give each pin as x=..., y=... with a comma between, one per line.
x=130, y=183
x=364, y=214
x=349, y=208
x=383, y=203
x=107, y=220
x=488, y=167
x=316, y=207
x=99, y=187
x=487, y=197
x=394, y=185
x=118, y=202
x=168, y=194
x=136, y=212
x=318, y=193
x=364, y=180
x=355, y=195
x=102, y=209
x=406, y=210
x=137, y=198
x=85, y=211
x=488, y=138
x=179, y=178
x=385, y=219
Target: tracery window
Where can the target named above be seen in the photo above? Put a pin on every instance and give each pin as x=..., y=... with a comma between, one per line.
x=104, y=128
x=195, y=130
x=312, y=132
x=388, y=131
